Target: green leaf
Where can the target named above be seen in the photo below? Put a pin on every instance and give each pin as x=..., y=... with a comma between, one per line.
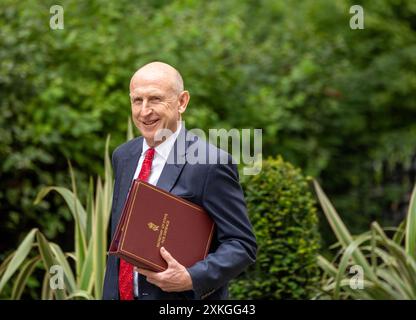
x=47, y=255
x=63, y=262
x=18, y=258
x=99, y=239
x=5, y=263
x=80, y=294
x=400, y=233
x=346, y=257
x=86, y=276
x=341, y=231
x=130, y=134
x=410, y=241
x=79, y=214
x=327, y=266
x=46, y=293
x=74, y=205
x=21, y=280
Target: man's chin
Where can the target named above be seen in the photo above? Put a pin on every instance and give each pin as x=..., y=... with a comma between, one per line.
x=155, y=134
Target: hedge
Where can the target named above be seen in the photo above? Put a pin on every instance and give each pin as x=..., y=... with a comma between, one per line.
x=283, y=212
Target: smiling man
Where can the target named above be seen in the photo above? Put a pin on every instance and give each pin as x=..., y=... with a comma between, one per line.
x=158, y=100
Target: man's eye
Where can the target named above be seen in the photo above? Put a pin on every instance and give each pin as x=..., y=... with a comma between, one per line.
x=137, y=101
x=156, y=99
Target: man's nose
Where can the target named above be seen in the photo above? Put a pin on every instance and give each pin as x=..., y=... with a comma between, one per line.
x=146, y=109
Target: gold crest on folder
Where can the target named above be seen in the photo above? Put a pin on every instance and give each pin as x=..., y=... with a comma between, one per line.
x=153, y=226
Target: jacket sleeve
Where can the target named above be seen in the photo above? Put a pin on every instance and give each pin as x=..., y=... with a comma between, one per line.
x=223, y=198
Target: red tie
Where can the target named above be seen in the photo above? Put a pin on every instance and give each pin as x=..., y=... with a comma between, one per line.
x=125, y=277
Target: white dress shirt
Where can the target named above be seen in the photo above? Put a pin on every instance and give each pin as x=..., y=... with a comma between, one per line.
x=159, y=160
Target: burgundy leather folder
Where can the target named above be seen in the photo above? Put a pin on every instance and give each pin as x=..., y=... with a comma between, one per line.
x=152, y=218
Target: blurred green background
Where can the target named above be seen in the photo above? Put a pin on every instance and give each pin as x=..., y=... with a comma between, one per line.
x=336, y=102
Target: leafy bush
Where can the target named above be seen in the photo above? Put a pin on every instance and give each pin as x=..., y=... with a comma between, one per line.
x=385, y=268
x=282, y=211
x=85, y=280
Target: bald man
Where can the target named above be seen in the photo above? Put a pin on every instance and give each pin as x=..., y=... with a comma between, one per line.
x=158, y=100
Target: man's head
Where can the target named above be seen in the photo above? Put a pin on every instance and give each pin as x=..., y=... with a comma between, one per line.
x=157, y=99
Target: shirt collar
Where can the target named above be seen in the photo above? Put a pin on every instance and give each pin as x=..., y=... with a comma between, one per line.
x=164, y=148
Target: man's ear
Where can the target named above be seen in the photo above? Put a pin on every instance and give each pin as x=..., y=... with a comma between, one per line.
x=183, y=101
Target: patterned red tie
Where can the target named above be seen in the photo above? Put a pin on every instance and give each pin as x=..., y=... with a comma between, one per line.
x=125, y=278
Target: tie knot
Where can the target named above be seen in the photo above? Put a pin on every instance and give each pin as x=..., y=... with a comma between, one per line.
x=150, y=154
x=147, y=165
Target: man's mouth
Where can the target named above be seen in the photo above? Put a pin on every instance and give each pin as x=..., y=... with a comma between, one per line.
x=150, y=122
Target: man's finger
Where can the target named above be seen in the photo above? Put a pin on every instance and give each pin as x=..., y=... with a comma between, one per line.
x=167, y=256
x=145, y=272
x=152, y=281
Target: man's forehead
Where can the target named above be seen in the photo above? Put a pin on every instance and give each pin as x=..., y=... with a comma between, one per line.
x=150, y=82
x=146, y=90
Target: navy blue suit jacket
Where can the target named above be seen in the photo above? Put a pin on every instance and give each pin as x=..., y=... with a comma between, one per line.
x=215, y=187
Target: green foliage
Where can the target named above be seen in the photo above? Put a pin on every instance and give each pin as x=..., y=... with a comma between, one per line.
x=327, y=97
x=89, y=251
x=386, y=268
x=283, y=213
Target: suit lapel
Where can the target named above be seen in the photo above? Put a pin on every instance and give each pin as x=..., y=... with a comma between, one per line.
x=169, y=176
x=175, y=163
x=129, y=166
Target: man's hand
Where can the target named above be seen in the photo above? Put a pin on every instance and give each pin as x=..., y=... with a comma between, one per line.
x=174, y=279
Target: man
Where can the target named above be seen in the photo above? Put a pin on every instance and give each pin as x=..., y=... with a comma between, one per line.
x=158, y=100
